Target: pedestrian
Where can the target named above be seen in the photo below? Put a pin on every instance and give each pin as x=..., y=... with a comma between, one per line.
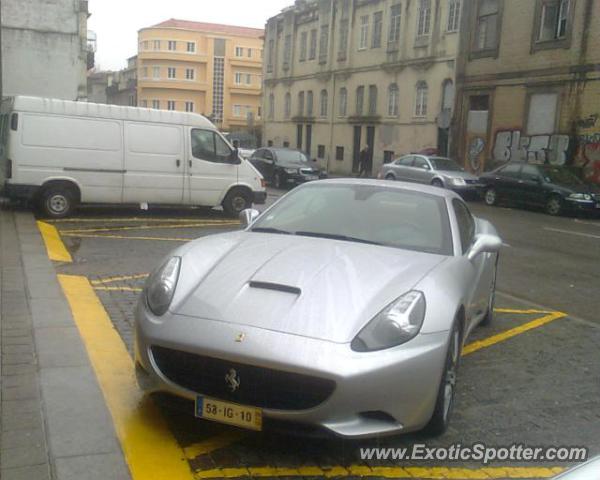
x=364, y=159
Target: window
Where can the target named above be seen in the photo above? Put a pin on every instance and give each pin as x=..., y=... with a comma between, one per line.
x=420, y=162
x=541, y=119
x=239, y=51
x=249, y=53
x=156, y=44
x=238, y=78
x=287, y=52
x=339, y=153
x=324, y=103
x=248, y=79
x=286, y=144
x=372, y=100
x=155, y=72
x=343, y=105
x=447, y=95
x=271, y=54
x=309, y=103
x=132, y=100
x=259, y=112
x=171, y=105
x=237, y=110
x=189, y=107
x=172, y=73
x=486, y=31
x=156, y=104
x=320, y=151
x=395, y=17
x=393, y=100
x=301, y=104
x=191, y=47
x=360, y=100
x=363, y=32
x=388, y=156
x=303, y=46
x=209, y=146
x=172, y=45
x=145, y=45
x=190, y=74
x=312, y=51
x=421, y=103
x=145, y=72
x=453, y=15
x=343, y=46
x=466, y=224
x=287, y=108
x=424, y=18
x=144, y=104
x=377, y=29
x=553, y=20
x=324, y=43
x=271, y=106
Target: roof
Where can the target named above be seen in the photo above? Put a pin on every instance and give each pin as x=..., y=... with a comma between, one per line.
x=98, y=110
x=211, y=27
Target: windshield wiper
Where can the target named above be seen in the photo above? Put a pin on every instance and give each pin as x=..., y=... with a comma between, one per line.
x=270, y=230
x=335, y=236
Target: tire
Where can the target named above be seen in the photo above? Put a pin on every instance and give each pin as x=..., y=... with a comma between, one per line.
x=554, y=205
x=277, y=181
x=236, y=201
x=436, y=182
x=57, y=201
x=491, y=197
x=390, y=176
x=489, y=315
x=447, y=391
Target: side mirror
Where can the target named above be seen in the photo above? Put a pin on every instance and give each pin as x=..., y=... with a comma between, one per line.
x=484, y=243
x=248, y=216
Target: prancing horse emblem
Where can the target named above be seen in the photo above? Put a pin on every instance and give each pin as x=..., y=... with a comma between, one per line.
x=233, y=380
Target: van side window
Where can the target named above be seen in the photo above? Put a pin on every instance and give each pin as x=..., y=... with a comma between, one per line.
x=207, y=145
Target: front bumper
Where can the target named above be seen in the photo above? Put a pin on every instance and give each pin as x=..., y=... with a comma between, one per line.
x=375, y=393
x=259, y=198
x=299, y=178
x=584, y=206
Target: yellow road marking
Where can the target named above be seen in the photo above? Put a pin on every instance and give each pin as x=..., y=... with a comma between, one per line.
x=130, y=219
x=119, y=289
x=521, y=312
x=150, y=449
x=122, y=237
x=152, y=227
x=214, y=443
x=55, y=247
x=103, y=281
x=485, y=473
x=501, y=337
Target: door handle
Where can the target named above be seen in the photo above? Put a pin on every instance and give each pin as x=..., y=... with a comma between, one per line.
x=190, y=163
x=178, y=163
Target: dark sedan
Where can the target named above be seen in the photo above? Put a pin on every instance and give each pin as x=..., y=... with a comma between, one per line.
x=284, y=166
x=554, y=188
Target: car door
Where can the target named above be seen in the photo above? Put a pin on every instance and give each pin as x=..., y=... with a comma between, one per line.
x=403, y=168
x=257, y=160
x=269, y=164
x=506, y=182
x=211, y=167
x=531, y=186
x=422, y=171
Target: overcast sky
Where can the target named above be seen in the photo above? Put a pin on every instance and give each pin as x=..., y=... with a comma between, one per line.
x=116, y=22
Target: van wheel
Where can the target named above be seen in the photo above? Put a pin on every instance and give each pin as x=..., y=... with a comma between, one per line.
x=57, y=201
x=237, y=200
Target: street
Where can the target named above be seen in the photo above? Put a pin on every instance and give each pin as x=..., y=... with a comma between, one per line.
x=529, y=378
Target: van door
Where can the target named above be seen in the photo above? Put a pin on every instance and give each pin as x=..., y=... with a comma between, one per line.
x=210, y=169
x=154, y=168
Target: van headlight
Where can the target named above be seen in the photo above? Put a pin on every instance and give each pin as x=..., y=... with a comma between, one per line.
x=396, y=324
x=161, y=286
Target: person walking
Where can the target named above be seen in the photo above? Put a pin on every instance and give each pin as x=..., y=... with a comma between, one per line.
x=364, y=159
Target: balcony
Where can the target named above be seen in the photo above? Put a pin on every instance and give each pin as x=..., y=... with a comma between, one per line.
x=173, y=84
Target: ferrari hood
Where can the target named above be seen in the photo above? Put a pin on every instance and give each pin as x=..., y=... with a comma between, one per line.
x=297, y=285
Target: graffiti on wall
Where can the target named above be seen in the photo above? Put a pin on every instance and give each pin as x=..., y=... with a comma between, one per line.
x=587, y=156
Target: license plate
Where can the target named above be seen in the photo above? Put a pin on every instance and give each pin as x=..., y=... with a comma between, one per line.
x=229, y=413
x=312, y=177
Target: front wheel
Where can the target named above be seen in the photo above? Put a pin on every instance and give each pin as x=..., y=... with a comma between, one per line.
x=554, y=205
x=236, y=201
x=57, y=201
x=389, y=176
x=445, y=400
x=489, y=316
x=436, y=182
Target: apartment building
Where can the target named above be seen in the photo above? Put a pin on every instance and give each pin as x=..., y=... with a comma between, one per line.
x=123, y=89
x=215, y=70
x=341, y=74
x=529, y=84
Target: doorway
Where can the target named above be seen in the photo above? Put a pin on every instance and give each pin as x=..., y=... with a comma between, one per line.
x=371, y=143
x=356, y=148
x=308, y=141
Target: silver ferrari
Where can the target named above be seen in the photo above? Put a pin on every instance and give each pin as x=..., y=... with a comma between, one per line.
x=342, y=307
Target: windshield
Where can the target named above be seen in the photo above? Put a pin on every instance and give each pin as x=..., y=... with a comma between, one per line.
x=365, y=214
x=290, y=156
x=445, y=164
x=561, y=176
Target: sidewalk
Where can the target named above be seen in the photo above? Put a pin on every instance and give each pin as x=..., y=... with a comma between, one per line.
x=54, y=423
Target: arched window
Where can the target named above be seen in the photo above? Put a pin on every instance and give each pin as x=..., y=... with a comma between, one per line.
x=447, y=95
x=421, y=101
x=301, y=104
x=288, y=105
x=393, y=100
x=360, y=100
x=424, y=18
x=372, y=99
x=271, y=106
x=324, y=103
x=343, y=105
x=309, y=103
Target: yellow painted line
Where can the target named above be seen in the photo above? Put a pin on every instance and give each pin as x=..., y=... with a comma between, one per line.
x=522, y=312
x=119, y=289
x=152, y=227
x=501, y=337
x=149, y=447
x=214, y=443
x=131, y=219
x=123, y=237
x=485, y=473
x=103, y=281
x=54, y=245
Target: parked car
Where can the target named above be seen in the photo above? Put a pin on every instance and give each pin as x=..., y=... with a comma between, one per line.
x=285, y=166
x=344, y=307
x=59, y=153
x=437, y=171
x=551, y=187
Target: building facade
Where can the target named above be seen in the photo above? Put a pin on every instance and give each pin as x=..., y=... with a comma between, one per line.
x=343, y=74
x=44, y=48
x=529, y=84
x=123, y=89
x=215, y=70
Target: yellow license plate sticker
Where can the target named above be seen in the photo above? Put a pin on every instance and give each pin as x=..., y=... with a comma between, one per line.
x=229, y=413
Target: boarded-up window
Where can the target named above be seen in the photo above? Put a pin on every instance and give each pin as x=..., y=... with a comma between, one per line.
x=542, y=114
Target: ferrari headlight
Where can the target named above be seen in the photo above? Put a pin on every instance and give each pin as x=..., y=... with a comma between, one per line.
x=458, y=182
x=396, y=324
x=161, y=285
x=291, y=171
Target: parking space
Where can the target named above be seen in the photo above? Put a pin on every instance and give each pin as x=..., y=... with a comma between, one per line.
x=529, y=378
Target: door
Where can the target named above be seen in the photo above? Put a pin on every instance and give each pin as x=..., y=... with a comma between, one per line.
x=268, y=162
x=507, y=182
x=403, y=167
x=371, y=143
x=154, y=168
x=356, y=148
x=210, y=168
x=531, y=186
x=308, y=141
x=422, y=171
x=299, y=130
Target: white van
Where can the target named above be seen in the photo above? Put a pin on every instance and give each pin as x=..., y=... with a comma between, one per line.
x=60, y=154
